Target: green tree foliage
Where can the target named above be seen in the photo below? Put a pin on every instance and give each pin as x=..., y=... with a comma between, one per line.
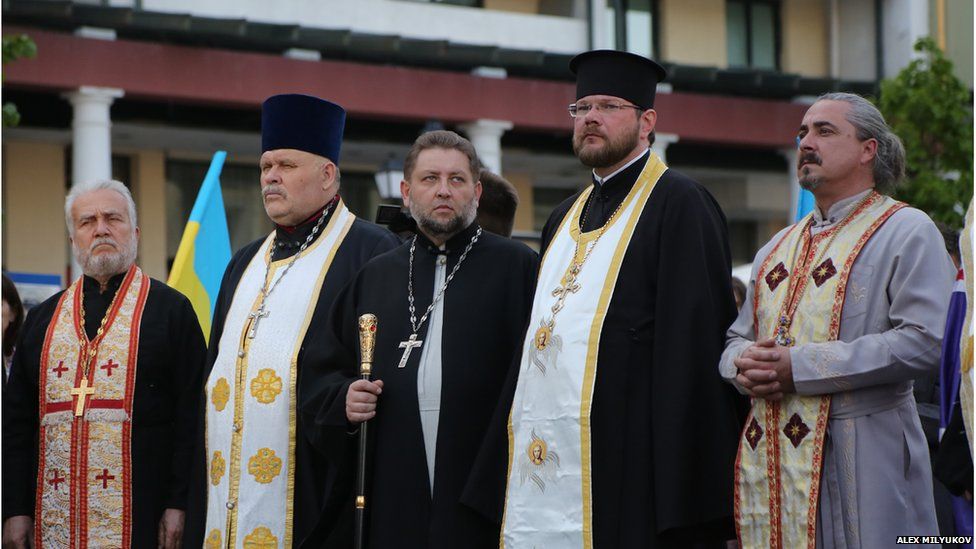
x=15, y=47
x=931, y=110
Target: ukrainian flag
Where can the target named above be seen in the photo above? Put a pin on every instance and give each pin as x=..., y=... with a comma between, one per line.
x=205, y=248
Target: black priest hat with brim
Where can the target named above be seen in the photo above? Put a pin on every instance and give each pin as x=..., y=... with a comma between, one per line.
x=302, y=122
x=617, y=73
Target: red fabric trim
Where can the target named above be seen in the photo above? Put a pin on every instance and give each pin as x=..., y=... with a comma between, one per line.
x=93, y=404
x=823, y=416
x=42, y=409
x=761, y=276
x=130, y=382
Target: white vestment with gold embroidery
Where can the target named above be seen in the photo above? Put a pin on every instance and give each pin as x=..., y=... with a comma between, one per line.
x=548, y=499
x=876, y=479
x=251, y=396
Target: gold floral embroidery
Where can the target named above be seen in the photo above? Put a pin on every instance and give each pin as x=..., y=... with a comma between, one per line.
x=264, y=465
x=213, y=540
x=217, y=468
x=260, y=538
x=220, y=394
x=266, y=386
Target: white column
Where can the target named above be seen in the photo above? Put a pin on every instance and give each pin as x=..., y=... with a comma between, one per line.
x=486, y=136
x=91, y=140
x=661, y=142
x=791, y=153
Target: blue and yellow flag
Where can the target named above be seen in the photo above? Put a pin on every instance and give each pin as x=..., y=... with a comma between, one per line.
x=205, y=248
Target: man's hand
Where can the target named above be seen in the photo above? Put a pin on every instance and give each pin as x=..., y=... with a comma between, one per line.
x=17, y=532
x=765, y=370
x=361, y=400
x=171, y=529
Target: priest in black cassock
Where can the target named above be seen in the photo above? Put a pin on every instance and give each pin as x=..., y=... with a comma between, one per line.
x=451, y=306
x=100, y=408
x=259, y=479
x=621, y=434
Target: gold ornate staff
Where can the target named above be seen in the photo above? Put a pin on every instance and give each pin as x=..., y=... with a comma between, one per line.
x=367, y=342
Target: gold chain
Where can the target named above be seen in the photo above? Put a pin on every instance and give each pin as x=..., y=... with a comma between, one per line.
x=568, y=282
x=798, y=284
x=92, y=345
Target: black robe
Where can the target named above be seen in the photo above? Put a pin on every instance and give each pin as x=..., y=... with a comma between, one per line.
x=171, y=356
x=315, y=519
x=486, y=307
x=664, y=427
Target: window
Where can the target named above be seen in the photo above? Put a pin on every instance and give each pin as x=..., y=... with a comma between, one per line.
x=752, y=33
x=638, y=24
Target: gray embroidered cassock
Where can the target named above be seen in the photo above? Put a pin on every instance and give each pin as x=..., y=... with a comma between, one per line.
x=876, y=482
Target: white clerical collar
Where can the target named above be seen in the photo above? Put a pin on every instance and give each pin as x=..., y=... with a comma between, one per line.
x=838, y=210
x=599, y=180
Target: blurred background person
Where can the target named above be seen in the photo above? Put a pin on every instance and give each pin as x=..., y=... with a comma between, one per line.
x=13, y=318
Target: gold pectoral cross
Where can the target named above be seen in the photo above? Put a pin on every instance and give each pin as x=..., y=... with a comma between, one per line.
x=82, y=391
x=568, y=285
x=409, y=345
x=256, y=317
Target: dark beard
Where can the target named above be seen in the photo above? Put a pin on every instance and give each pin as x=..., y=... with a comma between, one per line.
x=615, y=150
x=436, y=228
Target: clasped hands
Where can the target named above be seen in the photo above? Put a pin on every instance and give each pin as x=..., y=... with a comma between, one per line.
x=765, y=371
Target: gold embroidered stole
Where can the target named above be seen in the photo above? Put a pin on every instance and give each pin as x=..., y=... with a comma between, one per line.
x=252, y=396
x=780, y=455
x=548, y=502
x=84, y=480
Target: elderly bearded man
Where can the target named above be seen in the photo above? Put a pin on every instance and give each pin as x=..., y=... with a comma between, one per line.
x=451, y=305
x=102, y=392
x=844, y=309
x=263, y=477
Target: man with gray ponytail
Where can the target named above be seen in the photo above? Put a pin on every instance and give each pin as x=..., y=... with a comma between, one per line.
x=100, y=408
x=844, y=309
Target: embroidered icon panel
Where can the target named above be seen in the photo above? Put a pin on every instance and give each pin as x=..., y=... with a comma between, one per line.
x=260, y=538
x=266, y=386
x=217, y=468
x=220, y=394
x=264, y=465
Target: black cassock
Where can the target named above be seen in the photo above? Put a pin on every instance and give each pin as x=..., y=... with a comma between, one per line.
x=316, y=508
x=171, y=355
x=486, y=307
x=664, y=427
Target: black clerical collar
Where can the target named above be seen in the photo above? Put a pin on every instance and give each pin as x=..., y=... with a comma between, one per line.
x=454, y=245
x=625, y=177
x=289, y=239
x=92, y=286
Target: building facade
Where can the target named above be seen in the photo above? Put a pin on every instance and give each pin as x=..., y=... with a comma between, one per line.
x=145, y=91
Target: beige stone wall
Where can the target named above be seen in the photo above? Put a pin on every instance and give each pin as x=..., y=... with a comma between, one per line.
x=805, y=38
x=524, y=218
x=693, y=32
x=149, y=192
x=34, y=235
x=520, y=6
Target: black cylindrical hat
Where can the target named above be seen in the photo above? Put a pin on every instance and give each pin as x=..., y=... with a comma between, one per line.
x=617, y=73
x=303, y=122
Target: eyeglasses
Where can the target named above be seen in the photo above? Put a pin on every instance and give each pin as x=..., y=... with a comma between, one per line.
x=577, y=110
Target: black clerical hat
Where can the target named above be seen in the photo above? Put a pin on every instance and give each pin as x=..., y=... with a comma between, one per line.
x=303, y=122
x=617, y=73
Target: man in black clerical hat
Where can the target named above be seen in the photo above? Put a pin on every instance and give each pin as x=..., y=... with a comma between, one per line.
x=262, y=479
x=621, y=434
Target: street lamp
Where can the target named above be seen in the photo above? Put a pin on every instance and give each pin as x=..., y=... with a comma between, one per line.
x=388, y=179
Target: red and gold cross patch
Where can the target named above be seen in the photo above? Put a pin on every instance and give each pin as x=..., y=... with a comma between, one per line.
x=796, y=430
x=776, y=276
x=754, y=433
x=823, y=272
